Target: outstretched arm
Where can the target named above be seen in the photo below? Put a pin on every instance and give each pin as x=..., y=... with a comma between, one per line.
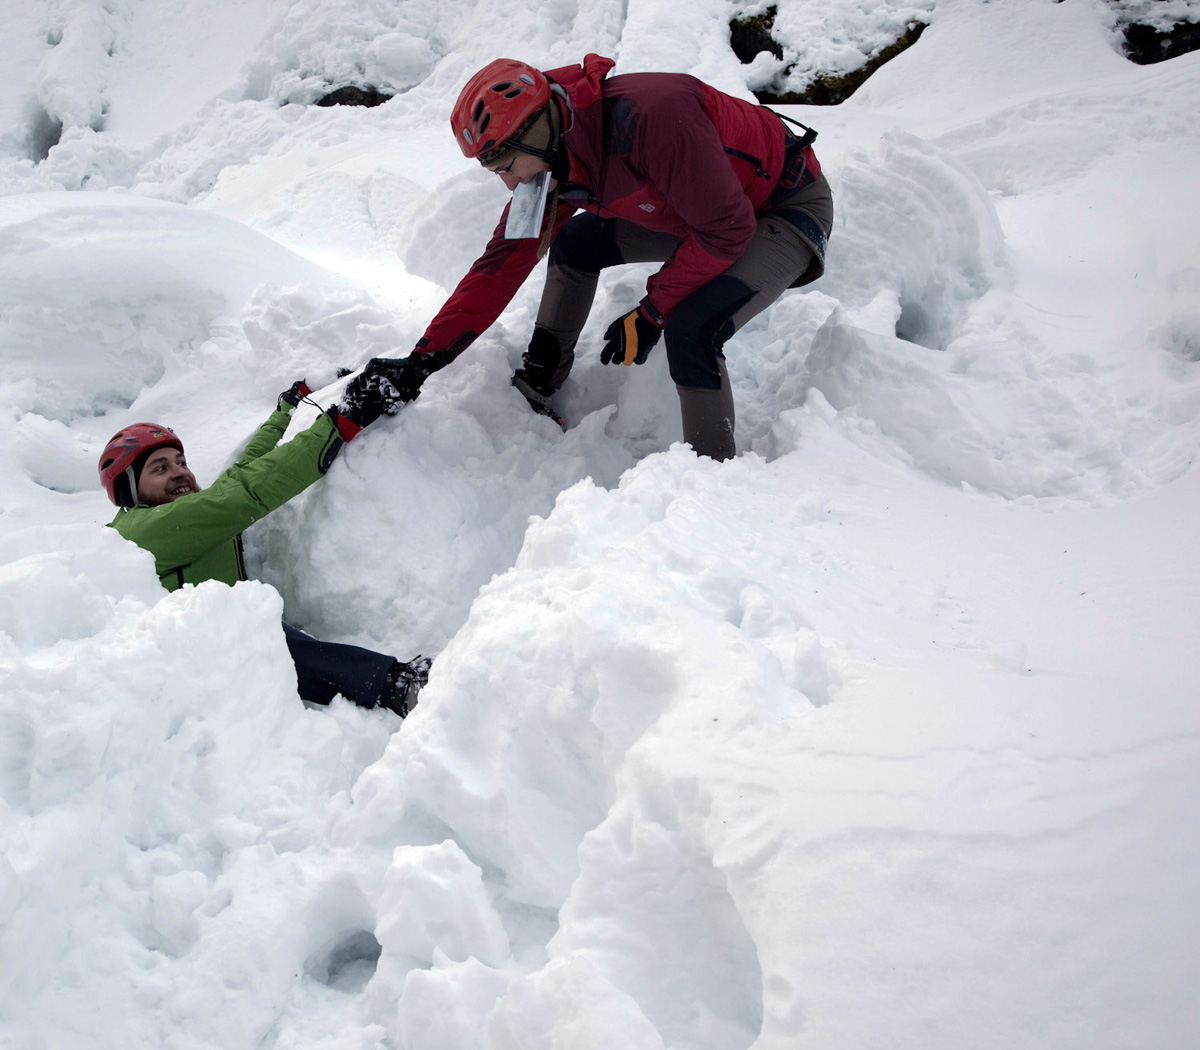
x=178, y=533
x=271, y=432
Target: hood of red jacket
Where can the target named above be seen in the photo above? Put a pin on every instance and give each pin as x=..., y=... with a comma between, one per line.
x=583, y=126
x=583, y=82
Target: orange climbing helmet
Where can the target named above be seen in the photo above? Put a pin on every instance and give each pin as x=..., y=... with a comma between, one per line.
x=495, y=103
x=118, y=473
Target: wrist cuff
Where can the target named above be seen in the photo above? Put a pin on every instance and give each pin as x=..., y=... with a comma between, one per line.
x=650, y=312
x=348, y=431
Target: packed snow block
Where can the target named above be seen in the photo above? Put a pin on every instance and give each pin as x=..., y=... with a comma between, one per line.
x=573, y=658
x=210, y=721
x=90, y=318
x=986, y=415
x=73, y=79
x=653, y=913
x=312, y=331
x=454, y=226
x=524, y=807
x=1180, y=336
x=766, y=362
x=914, y=222
x=570, y=1004
x=159, y=765
x=377, y=49
x=426, y=507
x=51, y=456
x=174, y=900
x=435, y=913
x=446, y=1007
x=10, y=881
x=61, y=584
x=43, y=601
x=434, y=901
x=908, y=394
x=107, y=691
x=275, y=925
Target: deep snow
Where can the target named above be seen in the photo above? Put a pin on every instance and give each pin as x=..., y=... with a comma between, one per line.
x=884, y=734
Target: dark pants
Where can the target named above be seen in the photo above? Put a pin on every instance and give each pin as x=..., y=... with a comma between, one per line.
x=787, y=250
x=324, y=669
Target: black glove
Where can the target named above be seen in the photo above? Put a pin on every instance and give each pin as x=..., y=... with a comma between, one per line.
x=385, y=384
x=293, y=395
x=629, y=339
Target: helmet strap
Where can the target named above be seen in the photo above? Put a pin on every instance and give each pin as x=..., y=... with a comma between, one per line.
x=558, y=92
x=127, y=494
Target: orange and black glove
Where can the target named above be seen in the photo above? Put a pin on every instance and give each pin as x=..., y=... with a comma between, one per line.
x=629, y=339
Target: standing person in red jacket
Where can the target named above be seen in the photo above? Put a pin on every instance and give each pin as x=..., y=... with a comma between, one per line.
x=665, y=168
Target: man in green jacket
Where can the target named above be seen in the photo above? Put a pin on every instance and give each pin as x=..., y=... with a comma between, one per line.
x=195, y=534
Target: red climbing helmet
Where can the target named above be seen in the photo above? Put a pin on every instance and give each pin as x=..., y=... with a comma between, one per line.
x=495, y=103
x=122, y=452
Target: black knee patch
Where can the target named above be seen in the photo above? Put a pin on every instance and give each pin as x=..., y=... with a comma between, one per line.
x=699, y=328
x=586, y=243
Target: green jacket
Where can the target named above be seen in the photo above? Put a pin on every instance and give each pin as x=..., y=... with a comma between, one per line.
x=198, y=536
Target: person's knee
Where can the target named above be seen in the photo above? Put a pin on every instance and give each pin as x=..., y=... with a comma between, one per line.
x=698, y=330
x=586, y=243
x=692, y=362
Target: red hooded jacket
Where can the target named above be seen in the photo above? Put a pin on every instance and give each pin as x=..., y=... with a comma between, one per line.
x=663, y=150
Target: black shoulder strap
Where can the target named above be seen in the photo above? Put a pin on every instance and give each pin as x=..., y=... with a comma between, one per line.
x=809, y=136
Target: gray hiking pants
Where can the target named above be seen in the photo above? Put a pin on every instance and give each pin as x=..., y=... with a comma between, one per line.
x=788, y=250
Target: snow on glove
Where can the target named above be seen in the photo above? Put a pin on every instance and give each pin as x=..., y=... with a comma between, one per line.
x=385, y=384
x=293, y=395
x=629, y=339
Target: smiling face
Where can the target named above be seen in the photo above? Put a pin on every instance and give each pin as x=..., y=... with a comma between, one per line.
x=165, y=477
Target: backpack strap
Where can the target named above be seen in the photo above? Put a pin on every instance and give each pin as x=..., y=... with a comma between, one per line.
x=809, y=136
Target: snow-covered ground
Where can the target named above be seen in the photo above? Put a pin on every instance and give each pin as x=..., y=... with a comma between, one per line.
x=885, y=734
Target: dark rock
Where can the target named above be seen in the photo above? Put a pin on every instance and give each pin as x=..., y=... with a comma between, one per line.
x=353, y=96
x=751, y=35
x=830, y=90
x=1145, y=45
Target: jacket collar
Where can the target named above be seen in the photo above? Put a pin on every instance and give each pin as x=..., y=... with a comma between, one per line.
x=580, y=88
